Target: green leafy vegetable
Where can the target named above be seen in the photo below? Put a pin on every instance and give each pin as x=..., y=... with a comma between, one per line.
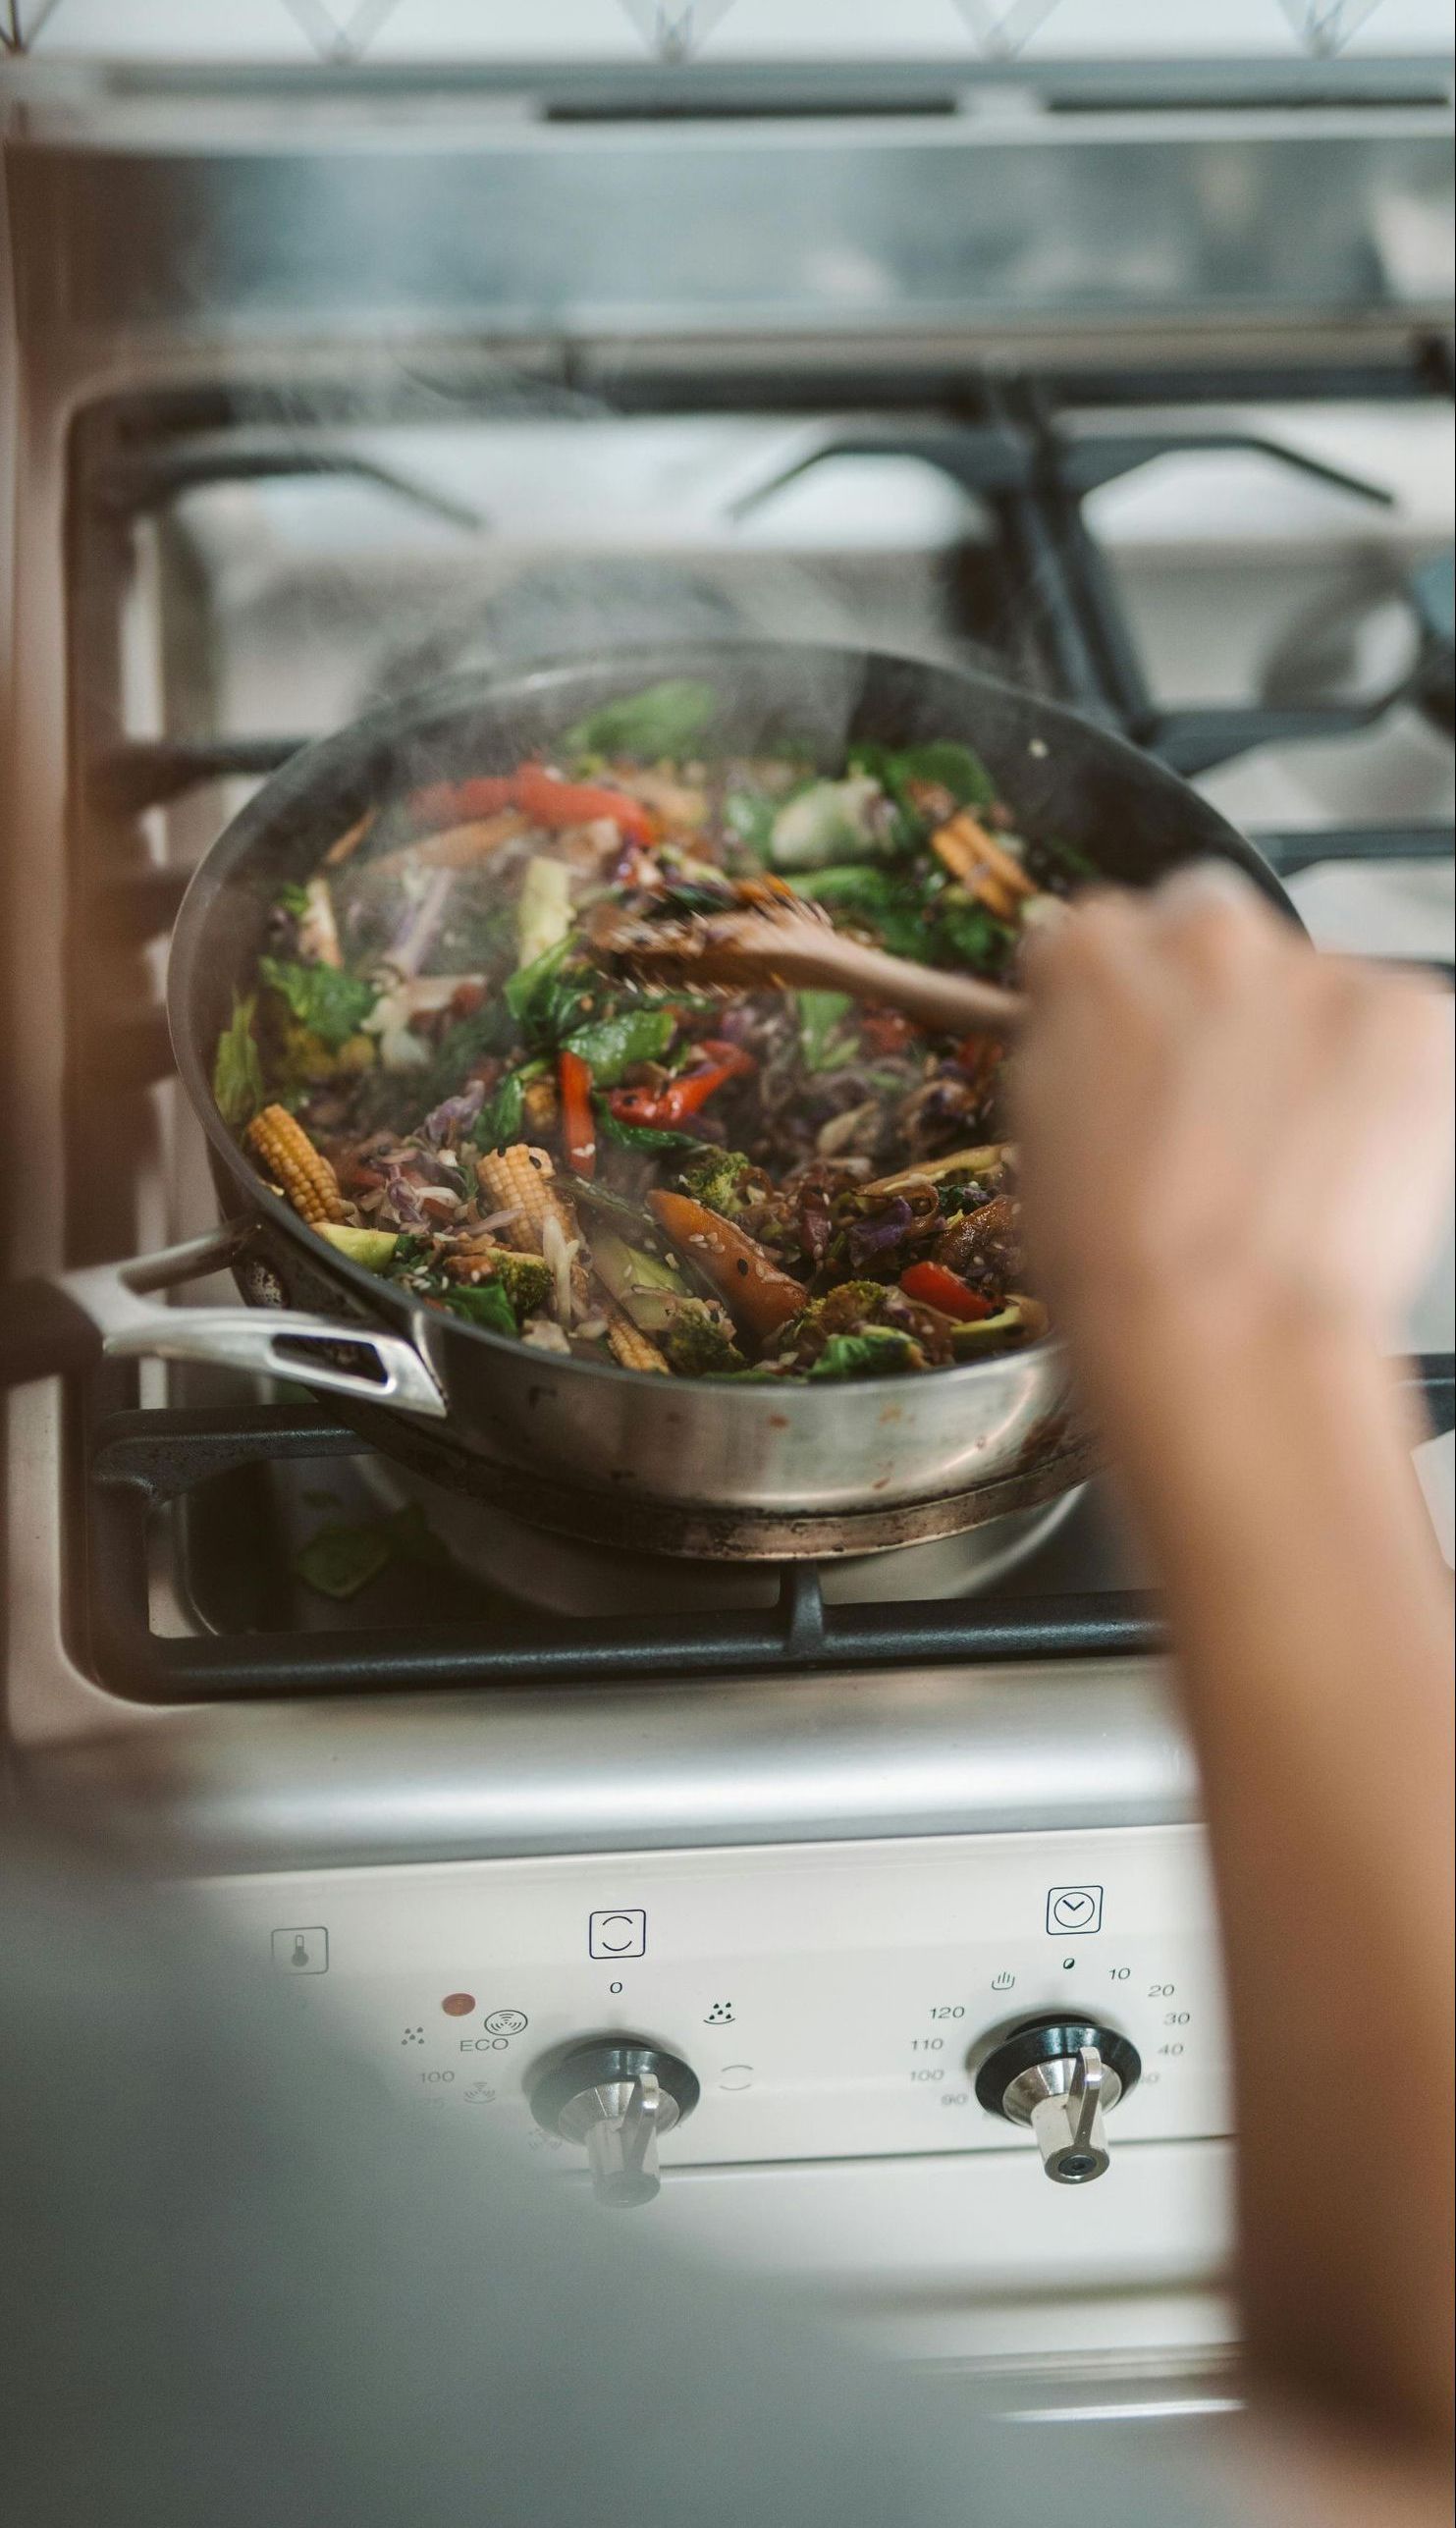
x=951, y=767
x=293, y=900
x=824, y=1040
x=749, y=814
x=662, y=722
x=967, y=934
x=871, y=1350
x=236, y=1072
x=645, y=1137
x=611, y=1046
x=340, y=1560
x=890, y=902
x=331, y=1003
x=552, y=997
x=499, y=1122
x=487, y=1030
x=411, y=1255
x=481, y=1303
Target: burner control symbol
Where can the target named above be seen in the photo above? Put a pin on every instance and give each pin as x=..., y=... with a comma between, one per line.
x=620, y=1933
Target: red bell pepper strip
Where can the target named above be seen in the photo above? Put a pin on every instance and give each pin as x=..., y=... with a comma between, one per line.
x=447, y=803
x=538, y=795
x=553, y=804
x=937, y=1286
x=663, y=1109
x=728, y=1057
x=578, y=1124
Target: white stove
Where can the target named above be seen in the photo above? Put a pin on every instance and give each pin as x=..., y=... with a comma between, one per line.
x=811, y=1857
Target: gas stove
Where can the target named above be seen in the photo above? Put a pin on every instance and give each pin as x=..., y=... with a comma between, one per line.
x=815, y=1847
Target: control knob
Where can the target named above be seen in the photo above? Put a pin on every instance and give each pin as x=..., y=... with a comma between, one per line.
x=616, y=2095
x=1061, y=2076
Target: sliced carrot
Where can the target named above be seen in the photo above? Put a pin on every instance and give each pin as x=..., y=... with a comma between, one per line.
x=757, y=1295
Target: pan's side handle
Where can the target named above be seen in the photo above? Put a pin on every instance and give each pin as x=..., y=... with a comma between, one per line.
x=283, y=1343
x=61, y=1325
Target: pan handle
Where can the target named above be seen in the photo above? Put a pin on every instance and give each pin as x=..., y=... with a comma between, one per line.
x=53, y=1327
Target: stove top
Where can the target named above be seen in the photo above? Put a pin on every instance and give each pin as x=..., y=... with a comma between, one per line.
x=248, y=563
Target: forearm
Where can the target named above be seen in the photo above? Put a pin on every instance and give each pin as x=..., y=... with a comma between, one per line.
x=1310, y=1619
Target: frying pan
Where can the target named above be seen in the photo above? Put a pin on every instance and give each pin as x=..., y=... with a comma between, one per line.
x=432, y=1389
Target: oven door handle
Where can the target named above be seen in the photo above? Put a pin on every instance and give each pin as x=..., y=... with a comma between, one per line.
x=61, y=1327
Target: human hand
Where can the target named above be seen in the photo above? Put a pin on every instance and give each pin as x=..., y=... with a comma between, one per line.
x=1221, y=1130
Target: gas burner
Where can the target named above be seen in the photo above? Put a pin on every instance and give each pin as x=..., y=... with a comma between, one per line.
x=557, y=1573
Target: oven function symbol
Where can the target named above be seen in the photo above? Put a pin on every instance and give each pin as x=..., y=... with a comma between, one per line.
x=1002, y=1982
x=619, y=1933
x=480, y=2094
x=1074, y=1909
x=507, y=2022
x=735, y=2075
x=719, y=2016
x=301, y=1949
x=412, y=2036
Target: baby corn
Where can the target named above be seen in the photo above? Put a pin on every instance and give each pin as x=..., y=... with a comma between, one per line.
x=520, y=1180
x=633, y=1349
x=283, y=1148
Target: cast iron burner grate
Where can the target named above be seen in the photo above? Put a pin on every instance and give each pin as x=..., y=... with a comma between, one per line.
x=1016, y=444
x=143, y=1460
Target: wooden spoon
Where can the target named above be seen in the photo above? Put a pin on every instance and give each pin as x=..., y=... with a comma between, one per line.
x=769, y=948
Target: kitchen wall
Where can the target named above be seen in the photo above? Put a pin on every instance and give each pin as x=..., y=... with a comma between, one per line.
x=295, y=32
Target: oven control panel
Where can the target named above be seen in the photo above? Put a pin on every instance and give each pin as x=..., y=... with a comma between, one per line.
x=782, y=2002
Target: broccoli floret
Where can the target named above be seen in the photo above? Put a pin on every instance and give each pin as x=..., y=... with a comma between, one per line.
x=716, y=1178
x=842, y=1310
x=525, y=1279
x=698, y=1345
x=874, y=1349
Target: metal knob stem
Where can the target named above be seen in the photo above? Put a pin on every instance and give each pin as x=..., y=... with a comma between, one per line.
x=1062, y=2078
x=1068, y=2123
x=617, y=2096
x=620, y=2123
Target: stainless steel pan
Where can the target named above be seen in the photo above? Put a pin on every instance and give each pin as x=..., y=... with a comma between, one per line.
x=407, y=1374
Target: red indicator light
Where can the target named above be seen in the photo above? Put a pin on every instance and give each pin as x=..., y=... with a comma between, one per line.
x=457, y=2005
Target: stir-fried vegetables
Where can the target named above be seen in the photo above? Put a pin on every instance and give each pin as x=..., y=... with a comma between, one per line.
x=448, y=1064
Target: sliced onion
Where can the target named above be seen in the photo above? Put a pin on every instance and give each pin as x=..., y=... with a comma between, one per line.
x=559, y=1253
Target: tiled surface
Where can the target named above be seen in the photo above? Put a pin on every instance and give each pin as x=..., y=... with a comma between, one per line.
x=399, y=31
